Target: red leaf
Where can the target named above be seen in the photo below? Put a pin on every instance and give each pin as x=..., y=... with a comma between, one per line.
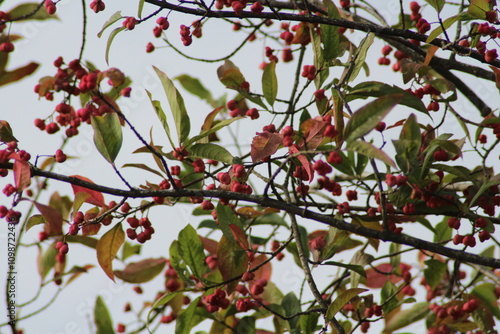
x=22, y=175
x=398, y=123
x=239, y=236
x=497, y=76
x=376, y=277
x=304, y=161
x=52, y=217
x=209, y=245
x=263, y=272
x=313, y=130
x=96, y=197
x=265, y=144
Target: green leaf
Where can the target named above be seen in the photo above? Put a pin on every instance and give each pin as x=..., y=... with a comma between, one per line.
x=270, y=83
x=6, y=134
x=388, y=291
x=102, y=318
x=230, y=75
x=434, y=272
x=226, y=217
x=34, y=220
x=407, y=317
x=115, y=17
x=354, y=267
x=178, y=263
x=367, y=118
x=32, y=11
x=478, y=8
x=47, y=260
x=195, y=87
x=309, y=322
x=341, y=300
x=246, y=325
x=129, y=250
x=176, y=102
x=330, y=34
x=232, y=261
x=360, y=56
x=191, y=251
x=443, y=231
x=82, y=240
x=107, y=135
x=495, y=180
x=446, y=24
x=107, y=247
x=436, y=4
x=211, y=151
x=165, y=299
x=291, y=305
x=186, y=319
x=378, y=89
x=142, y=271
x=367, y=149
x=213, y=129
x=139, y=8
x=161, y=116
x=110, y=40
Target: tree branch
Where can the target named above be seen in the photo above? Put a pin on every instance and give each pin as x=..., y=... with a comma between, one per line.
x=273, y=203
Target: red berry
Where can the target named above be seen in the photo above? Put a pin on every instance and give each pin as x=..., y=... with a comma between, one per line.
x=120, y=328
x=440, y=155
x=469, y=240
x=490, y=55
x=414, y=6
x=256, y=8
x=386, y=50
x=97, y=6
x=150, y=47
x=6, y=47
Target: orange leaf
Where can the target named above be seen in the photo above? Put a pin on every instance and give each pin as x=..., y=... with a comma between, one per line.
x=107, y=247
x=265, y=144
x=142, y=271
x=52, y=217
x=22, y=175
x=96, y=197
x=248, y=212
x=430, y=53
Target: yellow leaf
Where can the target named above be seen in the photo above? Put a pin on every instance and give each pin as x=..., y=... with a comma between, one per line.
x=108, y=246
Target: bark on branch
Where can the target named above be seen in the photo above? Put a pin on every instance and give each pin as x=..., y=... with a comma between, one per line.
x=281, y=205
